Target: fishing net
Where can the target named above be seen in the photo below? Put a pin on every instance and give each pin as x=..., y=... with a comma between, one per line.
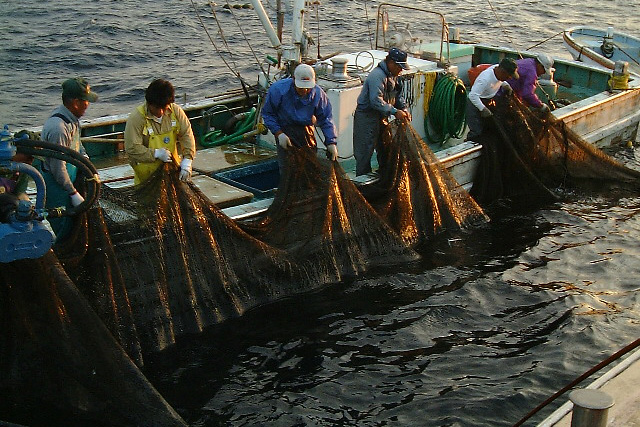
x=529, y=160
x=184, y=265
x=158, y=261
x=59, y=365
x=416, y=194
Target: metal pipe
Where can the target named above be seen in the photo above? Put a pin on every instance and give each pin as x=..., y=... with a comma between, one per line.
x=37, y=178
x=266, y=24
x=298, y=23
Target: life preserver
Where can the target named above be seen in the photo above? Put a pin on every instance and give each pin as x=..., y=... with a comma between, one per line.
x=474, y=72
x=142, y=171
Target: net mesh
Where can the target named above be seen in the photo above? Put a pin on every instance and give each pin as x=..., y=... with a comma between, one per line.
x=156, y=261
x=529, y=160
x=416, y=194
x=59, y=364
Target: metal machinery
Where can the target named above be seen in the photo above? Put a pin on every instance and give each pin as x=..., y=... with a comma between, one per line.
x=23, y=234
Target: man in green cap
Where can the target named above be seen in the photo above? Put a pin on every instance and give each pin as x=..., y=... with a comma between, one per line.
x=63, y=128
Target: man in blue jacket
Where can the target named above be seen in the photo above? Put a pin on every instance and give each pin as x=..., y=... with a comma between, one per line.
x=380, y=98
x=291, y=109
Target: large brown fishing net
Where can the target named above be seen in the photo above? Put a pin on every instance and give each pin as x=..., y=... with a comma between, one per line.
x=59, y=364
x=529, y=160
x=416, y=194
x=159, y=260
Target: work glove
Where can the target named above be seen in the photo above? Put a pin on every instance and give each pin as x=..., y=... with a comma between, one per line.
x=507, y=89
x=76, y=199
x=333, y=151
x=162, y=154
x=402, y=116
x=544, y=109
x=486, y=113
x=284, y=140
x=185, y=170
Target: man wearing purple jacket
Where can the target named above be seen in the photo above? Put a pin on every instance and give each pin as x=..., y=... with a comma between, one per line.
x=529, y=70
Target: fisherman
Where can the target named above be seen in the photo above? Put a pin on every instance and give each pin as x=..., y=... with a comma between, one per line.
x=153, y=132
x=291, y=109
x=63, y=128
x=529, y=69
x=380, y=98
x=485, y=87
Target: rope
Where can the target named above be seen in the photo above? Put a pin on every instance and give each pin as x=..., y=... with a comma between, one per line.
x=429, y=82
x=545, y=40
x=241, y=32
x=500, y=23
x=234, y=72
x=623, y=51
x=366, y=13
x=447, y=116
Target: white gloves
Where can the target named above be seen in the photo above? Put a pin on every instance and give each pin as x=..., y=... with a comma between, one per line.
x=544, y=109
x=506, y=88
x=162, y=154
x=284, y=140
x=76, y=199
x=185, y=170
x=486, y=113
x=333, y=151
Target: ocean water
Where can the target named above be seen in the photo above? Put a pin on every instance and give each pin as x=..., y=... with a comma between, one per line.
x=487, y=327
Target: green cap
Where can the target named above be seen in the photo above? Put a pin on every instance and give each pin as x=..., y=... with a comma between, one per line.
x=78, y=88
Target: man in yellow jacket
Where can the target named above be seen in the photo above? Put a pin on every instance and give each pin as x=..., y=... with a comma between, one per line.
x=156, y=131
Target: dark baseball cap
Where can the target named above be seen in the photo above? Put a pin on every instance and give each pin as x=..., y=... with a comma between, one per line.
x=510, y=66
x=78, y=88
x=399, y=57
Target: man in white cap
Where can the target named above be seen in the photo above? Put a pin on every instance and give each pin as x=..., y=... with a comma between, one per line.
x=529, y=70
x=291, y=109
x=379, y=99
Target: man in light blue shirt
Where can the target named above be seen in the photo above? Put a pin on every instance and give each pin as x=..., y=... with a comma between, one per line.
x=63, y=128
x=380, y=98
x=291, y=109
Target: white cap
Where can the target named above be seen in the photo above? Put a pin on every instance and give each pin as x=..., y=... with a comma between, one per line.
x=546, y=61
x=305, y=77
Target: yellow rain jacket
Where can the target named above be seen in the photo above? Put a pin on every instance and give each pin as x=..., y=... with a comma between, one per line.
x=144, y=133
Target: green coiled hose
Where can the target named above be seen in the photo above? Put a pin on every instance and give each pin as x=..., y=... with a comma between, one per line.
x=447, y=110
x=217, y=137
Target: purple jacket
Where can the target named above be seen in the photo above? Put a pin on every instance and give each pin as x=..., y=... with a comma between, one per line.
x=525, y=86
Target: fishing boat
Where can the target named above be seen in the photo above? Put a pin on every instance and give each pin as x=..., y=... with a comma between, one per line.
x=236, y=166
x=603, y=47
x=239, y=171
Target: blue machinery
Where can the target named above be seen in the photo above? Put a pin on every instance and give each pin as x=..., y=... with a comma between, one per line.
x=22, y=233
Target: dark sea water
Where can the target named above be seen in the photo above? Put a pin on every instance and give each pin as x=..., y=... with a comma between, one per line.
x=487, y=327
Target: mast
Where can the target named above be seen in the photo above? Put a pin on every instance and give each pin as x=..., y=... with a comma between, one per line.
x=289, y=52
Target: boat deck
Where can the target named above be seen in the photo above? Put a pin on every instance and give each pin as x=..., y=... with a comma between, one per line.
x=207, y=162
x=621, y=383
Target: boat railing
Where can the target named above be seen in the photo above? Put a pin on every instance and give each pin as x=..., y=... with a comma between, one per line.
x=401, y=33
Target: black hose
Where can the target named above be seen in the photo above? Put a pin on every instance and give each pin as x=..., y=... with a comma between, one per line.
x=56, y=151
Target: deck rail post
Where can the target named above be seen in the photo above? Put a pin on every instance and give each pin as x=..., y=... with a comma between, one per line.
x=590, y=407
